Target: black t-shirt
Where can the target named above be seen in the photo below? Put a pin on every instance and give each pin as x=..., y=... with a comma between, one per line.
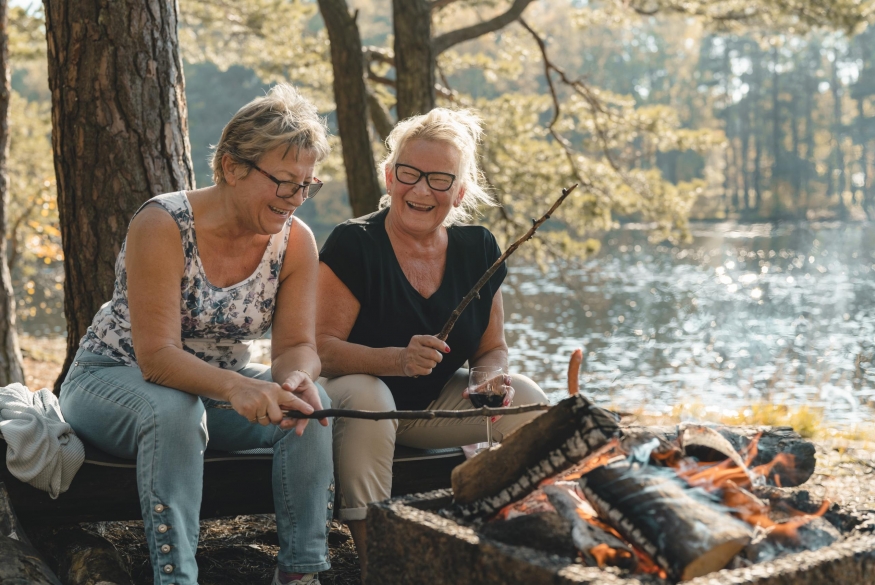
x=360, y=254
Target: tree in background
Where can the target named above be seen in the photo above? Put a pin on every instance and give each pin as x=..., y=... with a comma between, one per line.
x=546, y=125
x=119, y=134
x=10, y=354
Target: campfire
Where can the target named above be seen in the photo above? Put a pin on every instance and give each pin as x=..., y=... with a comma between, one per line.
x=634, y=504
x=656, y=509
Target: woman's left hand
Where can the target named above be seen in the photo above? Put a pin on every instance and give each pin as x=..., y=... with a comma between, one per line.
x=305, y=392
x=506, y=388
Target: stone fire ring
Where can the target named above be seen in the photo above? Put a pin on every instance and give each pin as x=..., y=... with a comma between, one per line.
x=416, y=545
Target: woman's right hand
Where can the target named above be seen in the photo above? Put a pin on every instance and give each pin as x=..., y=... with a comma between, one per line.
x=421, y=355
x=259, y=401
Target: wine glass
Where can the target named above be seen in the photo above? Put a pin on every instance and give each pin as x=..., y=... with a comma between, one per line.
x=486, y=388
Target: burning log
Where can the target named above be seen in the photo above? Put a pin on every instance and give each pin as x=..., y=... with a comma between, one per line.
x=19, y=561
x=545, y=531
x=814, y=534
x=688, y=535
x=794, y=457
x=542, y=447
x=599, y=547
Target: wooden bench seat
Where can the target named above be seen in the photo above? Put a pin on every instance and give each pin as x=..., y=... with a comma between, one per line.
x=235, y=483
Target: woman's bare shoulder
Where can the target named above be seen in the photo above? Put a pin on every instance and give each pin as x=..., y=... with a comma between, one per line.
x=154, y=233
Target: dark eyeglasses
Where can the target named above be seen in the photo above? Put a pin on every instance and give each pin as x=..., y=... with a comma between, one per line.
x=411, y=176
x=287, y=189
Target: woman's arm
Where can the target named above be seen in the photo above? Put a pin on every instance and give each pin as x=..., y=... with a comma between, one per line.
x=336, y=314
x=154, y=264
x=294, y=361
x=492, y=350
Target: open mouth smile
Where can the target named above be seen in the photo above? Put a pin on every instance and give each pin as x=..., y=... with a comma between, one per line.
x=278, y=211
x=419, y=207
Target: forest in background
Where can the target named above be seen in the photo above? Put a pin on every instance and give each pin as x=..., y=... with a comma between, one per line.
x=737, y=120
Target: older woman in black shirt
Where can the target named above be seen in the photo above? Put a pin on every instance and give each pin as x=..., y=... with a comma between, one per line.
x=387, y=282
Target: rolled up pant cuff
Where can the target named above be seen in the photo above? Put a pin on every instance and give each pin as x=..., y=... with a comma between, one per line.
x=312, y=568
x=348, y=514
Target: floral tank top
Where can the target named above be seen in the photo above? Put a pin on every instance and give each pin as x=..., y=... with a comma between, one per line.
x=218, y=324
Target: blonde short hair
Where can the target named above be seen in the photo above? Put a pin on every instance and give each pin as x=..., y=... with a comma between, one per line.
x=282, y=117
x=459, y=128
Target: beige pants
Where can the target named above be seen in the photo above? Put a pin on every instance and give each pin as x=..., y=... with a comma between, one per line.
x=363, y=449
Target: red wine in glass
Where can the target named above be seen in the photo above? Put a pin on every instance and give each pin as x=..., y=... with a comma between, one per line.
x=486, y=388
x=491, y=400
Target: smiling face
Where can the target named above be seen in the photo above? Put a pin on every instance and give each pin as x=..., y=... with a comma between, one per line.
x=418, y=209
x=257, y=193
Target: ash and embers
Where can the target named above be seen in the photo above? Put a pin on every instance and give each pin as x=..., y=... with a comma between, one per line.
x=655, y=509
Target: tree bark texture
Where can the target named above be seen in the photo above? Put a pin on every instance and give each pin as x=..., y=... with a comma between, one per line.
x=351, y=101
x=119, y=134
x=414, y=57
x=10, y=354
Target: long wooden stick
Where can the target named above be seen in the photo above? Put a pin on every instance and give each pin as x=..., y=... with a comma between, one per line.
x=475, y=292
x=417, y=414
x=407, y=414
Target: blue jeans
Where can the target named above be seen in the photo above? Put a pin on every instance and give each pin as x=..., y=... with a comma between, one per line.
x=112, y=407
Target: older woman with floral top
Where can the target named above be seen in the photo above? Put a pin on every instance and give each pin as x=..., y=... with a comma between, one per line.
x=201, y=274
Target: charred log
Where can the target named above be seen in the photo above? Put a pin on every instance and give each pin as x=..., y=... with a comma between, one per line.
x=20, y=563
x=773, y=443
x=687, y=535
x=544, y=446
x=815, y=534
x=545, y=531
x=83, y=558
x=587, y=537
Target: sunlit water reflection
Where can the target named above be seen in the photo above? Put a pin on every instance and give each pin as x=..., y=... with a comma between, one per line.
x=758, y=313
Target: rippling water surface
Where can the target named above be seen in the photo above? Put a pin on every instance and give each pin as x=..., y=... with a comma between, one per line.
x=755, y=313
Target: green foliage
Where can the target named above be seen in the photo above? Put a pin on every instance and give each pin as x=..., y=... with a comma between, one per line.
x=671, y=116
x=278, y=39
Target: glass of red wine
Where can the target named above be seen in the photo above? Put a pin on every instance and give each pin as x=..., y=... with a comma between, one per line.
x=486, y=388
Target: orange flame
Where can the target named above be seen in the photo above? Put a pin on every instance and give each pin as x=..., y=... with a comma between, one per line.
x=730, y=478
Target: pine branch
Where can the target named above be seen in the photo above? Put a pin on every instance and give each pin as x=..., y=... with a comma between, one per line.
x=447, y=40
x=475, y=292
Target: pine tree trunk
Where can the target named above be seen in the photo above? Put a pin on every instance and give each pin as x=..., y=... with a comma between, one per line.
x=350, y=97
x=757, y=134
x=119, y=134
x=837, y=174
x=10, y=354
x=777, y=162
x=794, y=169
x=414, y=57
x=745, y=154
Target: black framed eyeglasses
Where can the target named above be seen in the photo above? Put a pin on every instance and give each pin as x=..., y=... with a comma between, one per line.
x=411, y=175
x=288, y=189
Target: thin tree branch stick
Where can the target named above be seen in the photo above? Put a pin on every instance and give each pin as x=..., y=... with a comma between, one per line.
x=407, y=414
x=475, y=292
x=418, y=414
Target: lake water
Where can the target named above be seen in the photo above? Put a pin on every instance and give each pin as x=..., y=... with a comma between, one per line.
x=745, y=313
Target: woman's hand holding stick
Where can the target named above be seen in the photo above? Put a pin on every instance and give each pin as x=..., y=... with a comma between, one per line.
x=475, y=292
